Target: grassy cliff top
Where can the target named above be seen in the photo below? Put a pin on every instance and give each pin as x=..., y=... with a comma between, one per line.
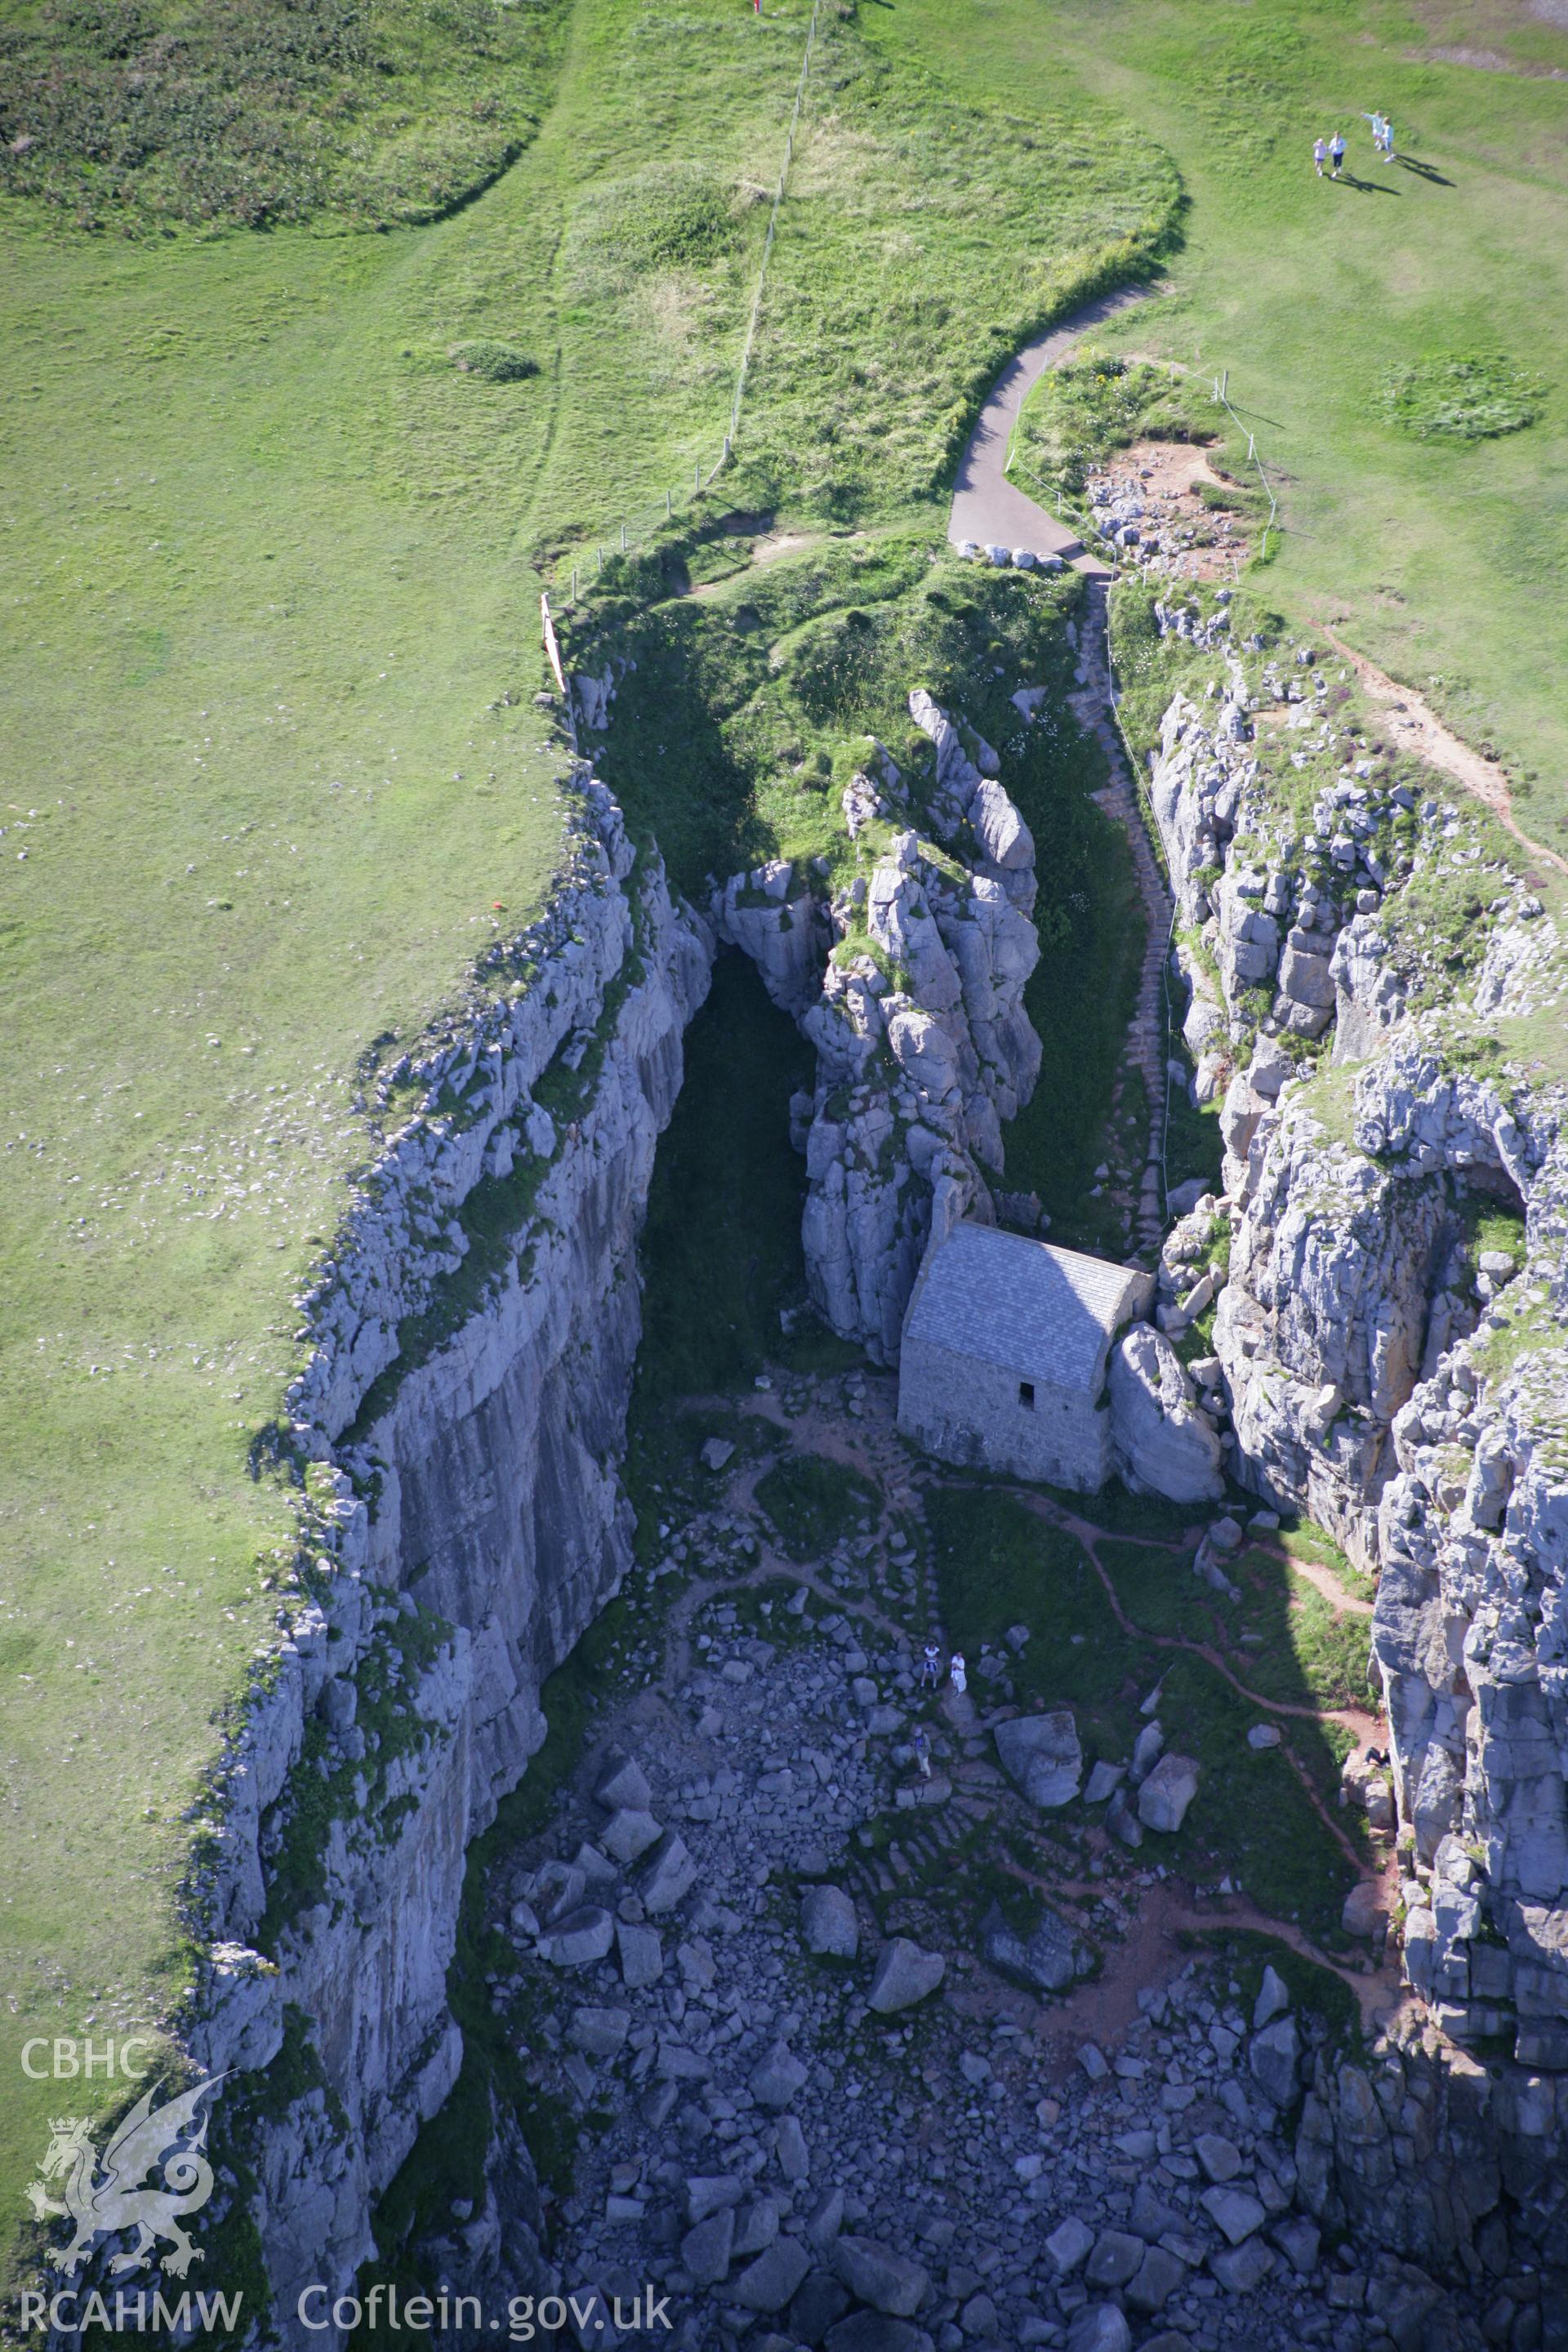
x=273, y=772
x=1341, y=309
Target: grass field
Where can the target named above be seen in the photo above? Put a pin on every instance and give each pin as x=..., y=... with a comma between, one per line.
x=272, y=759
x=1445, y=561
x=257, y=809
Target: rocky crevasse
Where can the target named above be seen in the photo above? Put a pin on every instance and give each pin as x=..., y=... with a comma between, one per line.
x=460, y=1423
x=909, y=980
x=1386, y=1375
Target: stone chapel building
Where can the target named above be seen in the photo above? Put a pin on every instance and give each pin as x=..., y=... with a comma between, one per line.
x=1003, y=1365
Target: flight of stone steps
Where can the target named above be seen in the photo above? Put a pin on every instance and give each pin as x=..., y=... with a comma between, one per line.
x=1147, y=1038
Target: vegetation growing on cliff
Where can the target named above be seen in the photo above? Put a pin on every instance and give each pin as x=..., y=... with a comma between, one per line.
x=1252, y=1820
x=1077, y=415
x=1445, y=559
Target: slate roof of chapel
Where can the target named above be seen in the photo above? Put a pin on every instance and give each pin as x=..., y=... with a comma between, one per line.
x=1045, y=1313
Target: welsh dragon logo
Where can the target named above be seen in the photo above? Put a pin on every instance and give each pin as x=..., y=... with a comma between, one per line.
x=102, y=2201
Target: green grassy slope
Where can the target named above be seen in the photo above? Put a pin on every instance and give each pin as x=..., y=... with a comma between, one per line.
x=257, y=809
x=1446, y=563
x=135, y=114
x=272, y=759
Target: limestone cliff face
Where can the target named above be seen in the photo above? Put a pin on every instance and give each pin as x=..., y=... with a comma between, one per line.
x=909, y=980
x=459, y=1421
x=1386, y=1371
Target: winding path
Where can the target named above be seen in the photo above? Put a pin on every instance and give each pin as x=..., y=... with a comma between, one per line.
x=987, y=506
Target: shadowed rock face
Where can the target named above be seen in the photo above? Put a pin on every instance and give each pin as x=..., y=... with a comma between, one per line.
x=1163, y=1444
x=1380, y=1375
x=473, y=1526
x=924, y=1047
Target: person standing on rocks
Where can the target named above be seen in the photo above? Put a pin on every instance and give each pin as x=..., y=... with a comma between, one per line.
x=920, y=1741
x=958, y=1673
x=1319, y=154
x=931, y=1667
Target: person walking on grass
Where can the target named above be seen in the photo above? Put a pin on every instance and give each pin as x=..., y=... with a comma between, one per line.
x=1388, y=137
x=1376, y=122
x=1319, y=154
x=1337, y=154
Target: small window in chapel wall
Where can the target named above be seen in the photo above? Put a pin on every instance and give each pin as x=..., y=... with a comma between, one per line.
x=1027, y=1395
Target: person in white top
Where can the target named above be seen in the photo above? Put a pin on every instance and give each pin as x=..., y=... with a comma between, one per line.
x=1320, y=154
x=958, y=1673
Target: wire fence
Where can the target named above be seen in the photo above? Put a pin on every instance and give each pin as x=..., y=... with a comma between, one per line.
x=1221, y=395
x=638, y=529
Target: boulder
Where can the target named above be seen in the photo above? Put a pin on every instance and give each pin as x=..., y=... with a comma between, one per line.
x=1233, y=2212
x=1161, y=1443
x=768, y=2283
x=1220, y=2157
x=827, y=1923
x=875, y=2274
x=581, y=1938
x=1041, y=1755
x=1068, y=2245
x=1151, y=2218
x=756, y=2226
x=1241, y=2270
x=1163, y=1798
x=1273, y=1999
x=641, y=1954
x=904, y=1975
x=1156, y=2279
x=1045, y=1957
x=1099, y=2328
x=1274, y=2061
x=671, y=1873
x=715, y=1456
x=597, y=1869
x=1122, y=1822
x=777, y=2077
x=1112, y=2259
x=790, y=2148
x=599, y=2032
x=628, y=1834
x=1297, y=2239
x=1146, y=1752
x=556, y=1890
x=826, y=2219
x=819, y=2302
x=1103, y=1781
x=711, y=2192
x=1363, y=1913
x=678, y=2064
x=706, y=2249
x=621, y=1781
